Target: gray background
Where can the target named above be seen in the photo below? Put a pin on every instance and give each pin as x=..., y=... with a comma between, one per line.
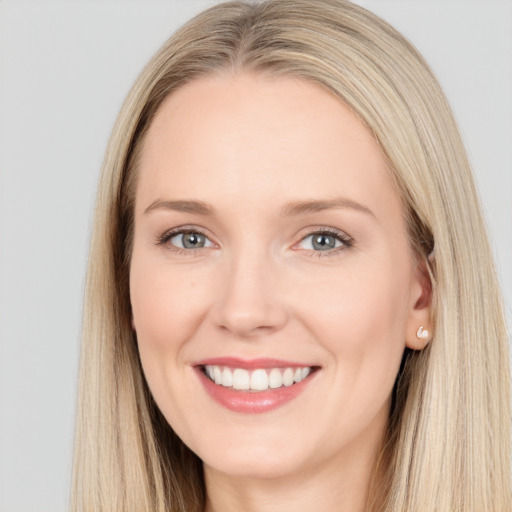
x=64, y=70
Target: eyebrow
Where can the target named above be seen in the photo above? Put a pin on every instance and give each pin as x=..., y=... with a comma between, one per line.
x=197, y=207
x=291, y=209
x=305, y=207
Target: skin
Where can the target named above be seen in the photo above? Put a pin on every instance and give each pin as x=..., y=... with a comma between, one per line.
x=248, y=146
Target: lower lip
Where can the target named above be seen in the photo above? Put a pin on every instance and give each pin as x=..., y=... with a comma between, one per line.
x=252, y=402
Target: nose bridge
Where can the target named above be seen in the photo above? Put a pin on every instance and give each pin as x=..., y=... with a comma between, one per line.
x=248, y=303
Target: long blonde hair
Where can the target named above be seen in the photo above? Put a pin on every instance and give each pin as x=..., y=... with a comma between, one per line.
x=447, y=446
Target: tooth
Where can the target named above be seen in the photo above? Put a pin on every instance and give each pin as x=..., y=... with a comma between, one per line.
x=288, y=377
x=227, y=377
x=305, y=372
x=259, y=380
x=241, y=379
x=275, y=378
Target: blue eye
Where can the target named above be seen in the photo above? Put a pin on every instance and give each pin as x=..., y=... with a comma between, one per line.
x=186, y=240
x=323, y=241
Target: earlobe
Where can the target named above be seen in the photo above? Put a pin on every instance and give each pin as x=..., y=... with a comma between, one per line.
x=419, y=340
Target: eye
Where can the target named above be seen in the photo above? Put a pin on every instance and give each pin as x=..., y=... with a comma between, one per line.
x=323, y=241
x=189, y=240
x=185, y=239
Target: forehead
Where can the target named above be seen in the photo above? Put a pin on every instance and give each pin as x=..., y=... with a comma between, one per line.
x=260, y=138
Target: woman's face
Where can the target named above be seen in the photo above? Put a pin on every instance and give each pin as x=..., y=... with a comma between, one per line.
x=270, y=247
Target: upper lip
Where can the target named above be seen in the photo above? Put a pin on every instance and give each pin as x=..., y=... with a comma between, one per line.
x=250, y=364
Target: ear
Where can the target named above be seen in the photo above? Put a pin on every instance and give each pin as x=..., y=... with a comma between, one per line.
x=419, y=319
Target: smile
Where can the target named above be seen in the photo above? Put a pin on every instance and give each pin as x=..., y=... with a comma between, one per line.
x=254, y=386
x=255, y=380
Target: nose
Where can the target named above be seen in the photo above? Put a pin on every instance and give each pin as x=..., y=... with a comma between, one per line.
x=248, y=303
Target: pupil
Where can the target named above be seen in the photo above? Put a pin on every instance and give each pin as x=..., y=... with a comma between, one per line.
x=193, y=240
x=323, y=242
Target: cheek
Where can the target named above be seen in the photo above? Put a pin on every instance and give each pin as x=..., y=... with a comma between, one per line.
x=165, y=305
x=369, y=298
x=167, y=308
x=360, y=318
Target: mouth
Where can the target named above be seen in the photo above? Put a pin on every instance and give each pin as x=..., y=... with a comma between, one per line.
x=254, y=386
x=258, y=380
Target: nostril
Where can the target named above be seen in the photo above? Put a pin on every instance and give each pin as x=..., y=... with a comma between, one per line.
x=248, y=329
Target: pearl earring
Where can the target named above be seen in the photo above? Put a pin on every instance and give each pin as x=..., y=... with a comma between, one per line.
x=422, y=333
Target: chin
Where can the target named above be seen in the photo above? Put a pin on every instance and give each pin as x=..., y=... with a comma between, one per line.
x=253, y=455
x=262, y=468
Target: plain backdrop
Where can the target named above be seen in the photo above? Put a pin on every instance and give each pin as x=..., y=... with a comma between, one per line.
x=65, y=68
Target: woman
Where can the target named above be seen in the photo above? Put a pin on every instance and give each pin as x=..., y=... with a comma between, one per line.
x=282, y=310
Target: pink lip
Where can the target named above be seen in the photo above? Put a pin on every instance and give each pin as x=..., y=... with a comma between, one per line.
x=251, y=402
x=249, y=364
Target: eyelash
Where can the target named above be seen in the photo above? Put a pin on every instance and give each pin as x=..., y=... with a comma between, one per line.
x=340, y=236
x=165, y=237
